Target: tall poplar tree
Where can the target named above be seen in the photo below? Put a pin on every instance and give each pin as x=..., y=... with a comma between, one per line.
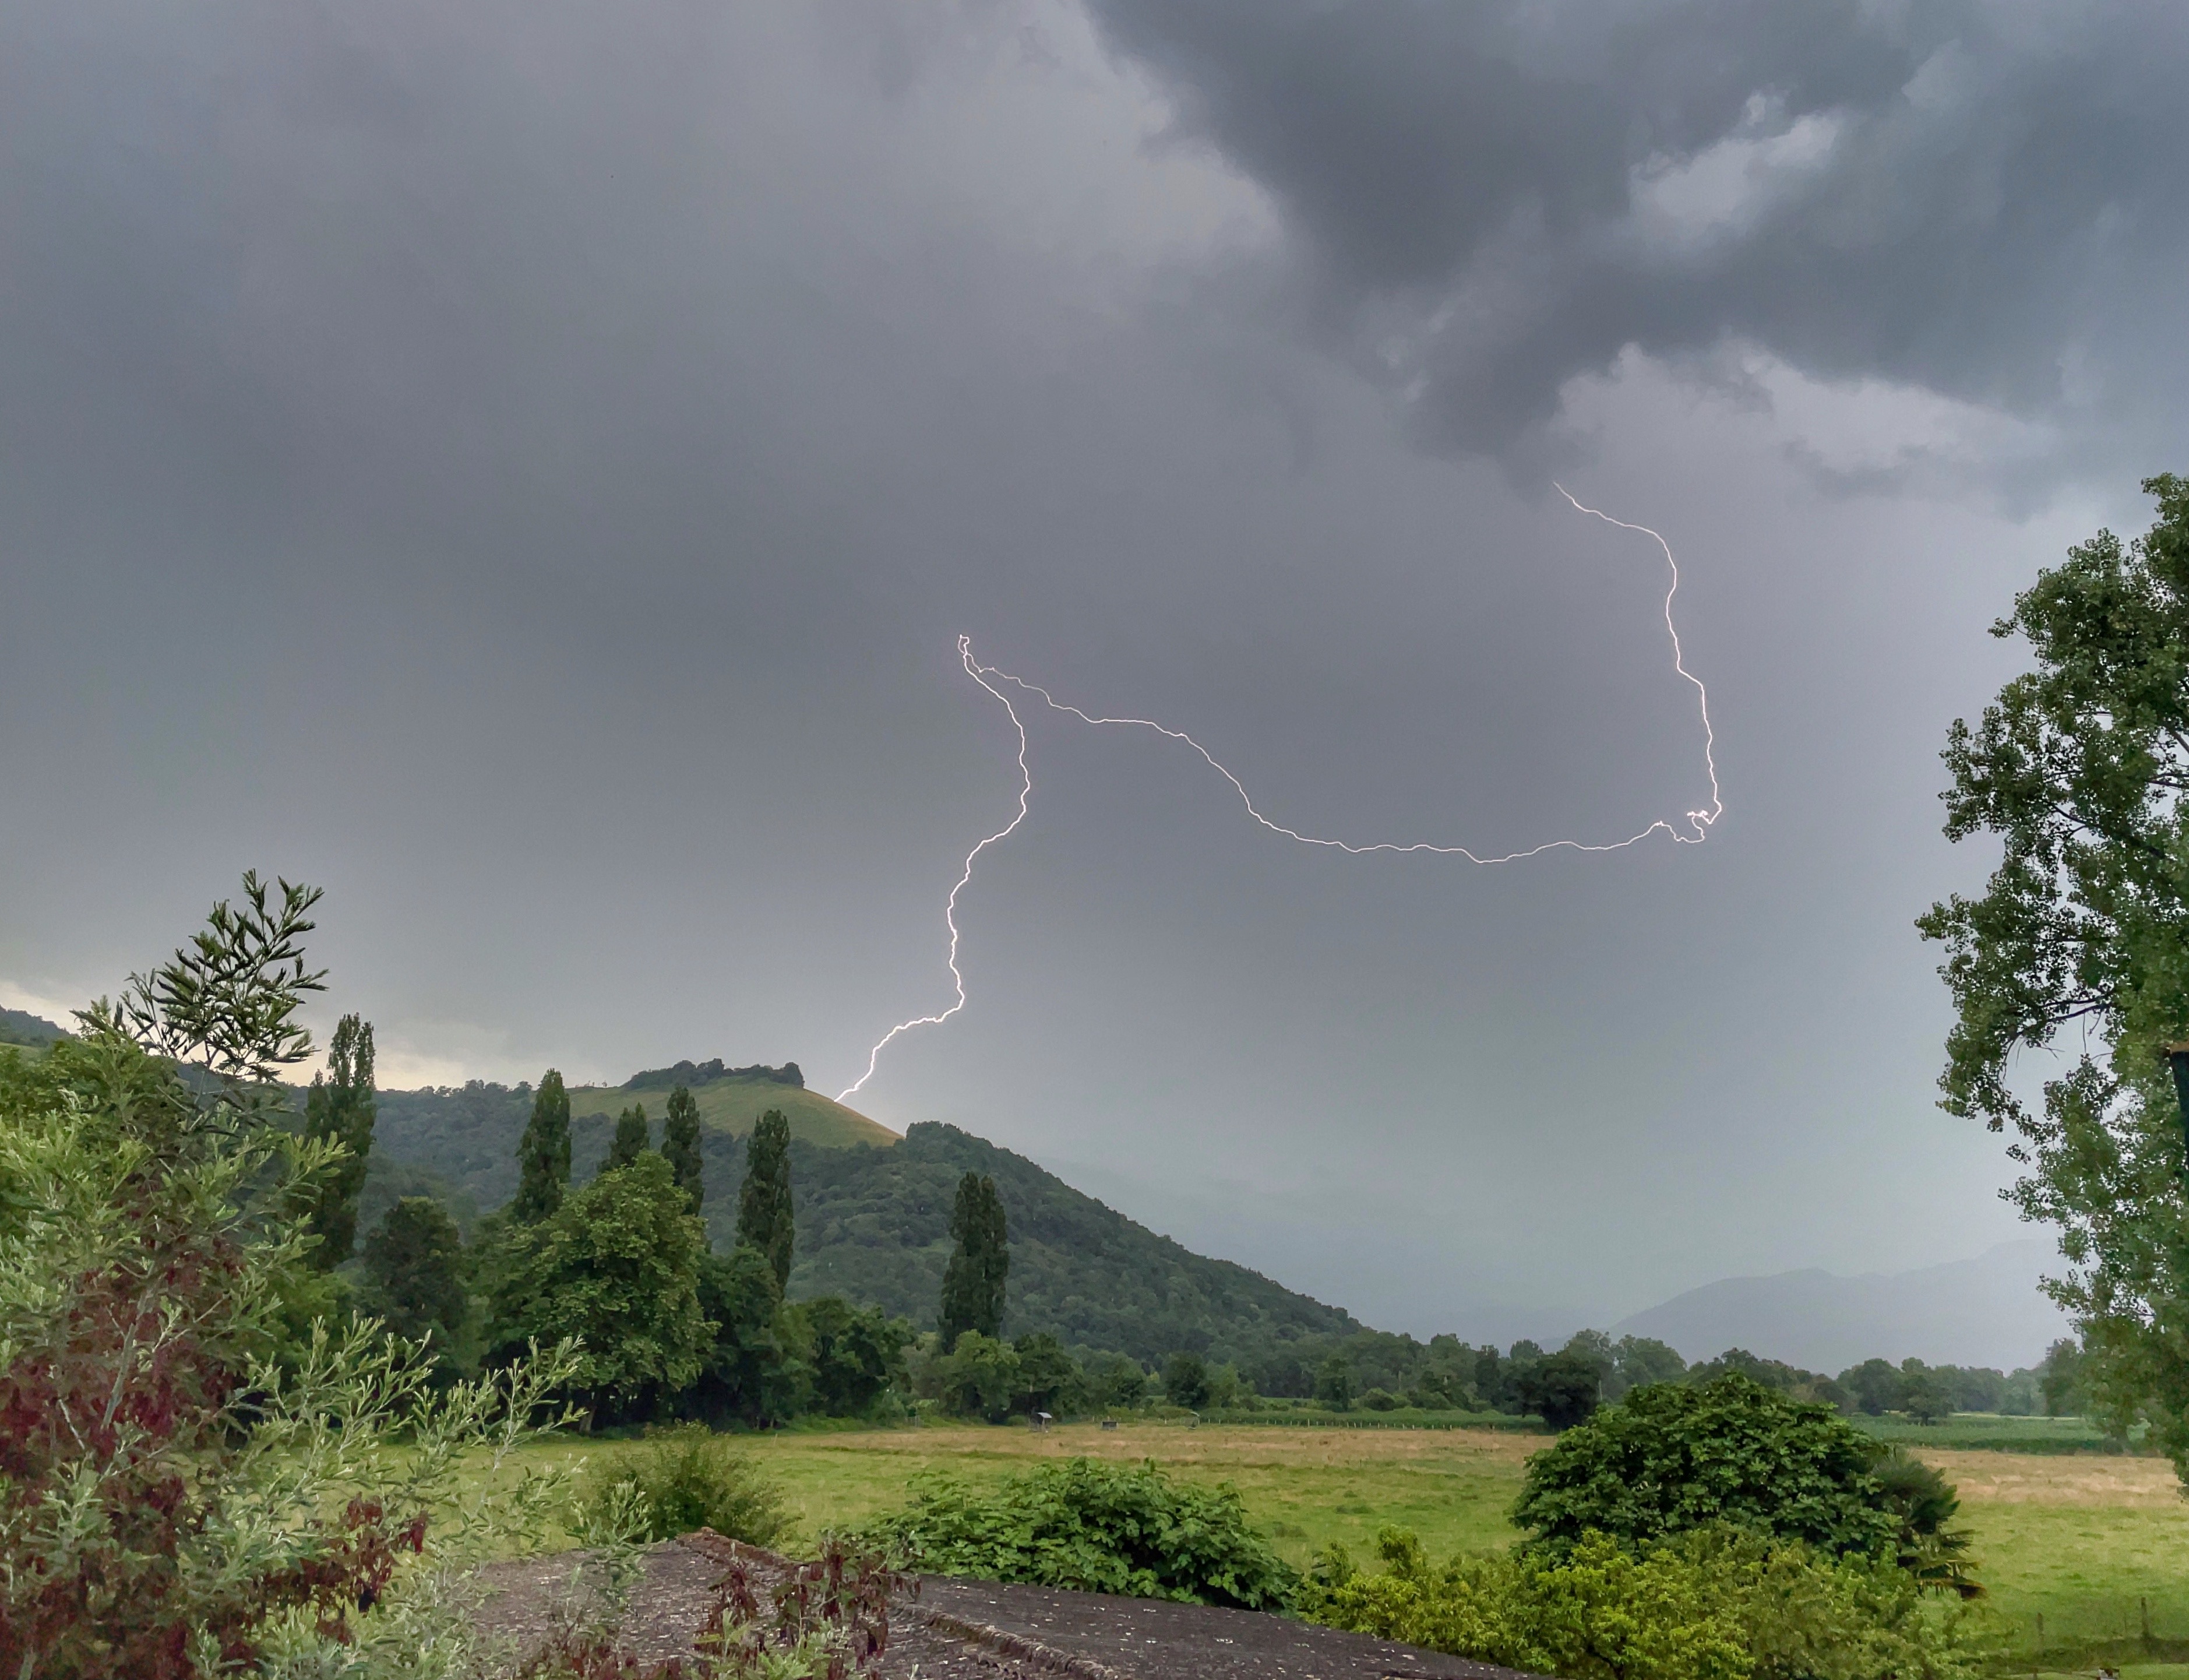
x=680, y=1143
x=543, y=1157
x=980, y=1261
x=630, y=1140
x=340, y=1106
x=764, y=1219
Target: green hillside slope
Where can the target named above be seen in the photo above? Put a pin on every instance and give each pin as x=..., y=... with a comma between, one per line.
x=467, y=1136
x=26, y=1031
x=730, y=1106
x=874, y=1221
x=874, y=1224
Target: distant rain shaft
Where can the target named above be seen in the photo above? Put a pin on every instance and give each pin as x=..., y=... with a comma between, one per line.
x=1697, y=822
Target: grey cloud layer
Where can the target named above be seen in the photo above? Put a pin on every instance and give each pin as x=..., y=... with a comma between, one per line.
x=1986, y=199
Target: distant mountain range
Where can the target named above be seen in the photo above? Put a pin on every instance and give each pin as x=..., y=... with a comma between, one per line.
x=1986, y=1311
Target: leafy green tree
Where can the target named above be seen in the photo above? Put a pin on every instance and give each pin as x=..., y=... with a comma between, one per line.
x=543, y=1157
x=2059, y=1379
x=852, y=1353
x=1877, y=1386
x=414, y=1266
x=339, y=1109
x=617, y=1267
x=630, y=1140
x=1636, y=1361
x=1117, y=1379
x=1048, y=1380
x=980, y=1261
x=978, y=1377
x=2078, y=768
x=1185, y=1381
x=1669, y=1458
x=746, y=1376
x=1923, y=1396
x=765, y=1217
x=1563, y=1388
x=680, y=1144
x=1334, y=1383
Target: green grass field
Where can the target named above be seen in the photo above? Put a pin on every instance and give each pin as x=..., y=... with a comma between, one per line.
x=731, y=1105
x=2086, y=1541
x=1990, y=1432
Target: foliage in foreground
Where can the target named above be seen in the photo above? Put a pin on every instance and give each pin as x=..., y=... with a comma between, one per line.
x=190, y=1483
x=1717, y=1605
x=1095, y=1527
x=691, y=1478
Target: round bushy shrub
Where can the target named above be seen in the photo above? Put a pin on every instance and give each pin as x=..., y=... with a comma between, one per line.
x=1670, y=1458
x=1096, y=1527
x=694, y=1478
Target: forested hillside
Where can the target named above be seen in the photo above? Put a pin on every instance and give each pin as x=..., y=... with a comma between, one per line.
x=468, y=1135
x=873, y=1222
x=29, y=1031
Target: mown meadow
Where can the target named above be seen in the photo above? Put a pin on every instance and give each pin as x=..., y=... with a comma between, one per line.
x=2087, y=1541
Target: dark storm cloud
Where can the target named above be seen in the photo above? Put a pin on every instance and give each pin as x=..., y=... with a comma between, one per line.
x=524, y=465
x=1988, y=200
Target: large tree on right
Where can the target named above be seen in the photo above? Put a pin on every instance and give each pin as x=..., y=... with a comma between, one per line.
x=2080, y=944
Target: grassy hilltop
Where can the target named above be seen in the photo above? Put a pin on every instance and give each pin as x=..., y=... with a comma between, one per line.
x=465, y=1137
x=730, y=1104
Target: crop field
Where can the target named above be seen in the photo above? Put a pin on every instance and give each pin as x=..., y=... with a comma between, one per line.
x=2088, y=1542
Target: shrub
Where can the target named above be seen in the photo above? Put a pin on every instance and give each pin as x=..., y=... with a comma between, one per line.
x=1381, y=1400
x=1670, y=1458
x=694, y=1479
x=187, y=1487
x=1096, y=1527
x=1717, y=1605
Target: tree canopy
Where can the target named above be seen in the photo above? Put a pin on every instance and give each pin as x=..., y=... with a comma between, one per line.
x=765, y=1220
x=630, y=1140
x=680, y=1144
x=414, y=1262
x=338, y=1109
x=2079, y=768
x=544, y=1153
x=617, y=1267
x=974, y=1280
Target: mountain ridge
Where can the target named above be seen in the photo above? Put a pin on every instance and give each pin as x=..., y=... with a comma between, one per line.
x=1985, y=1310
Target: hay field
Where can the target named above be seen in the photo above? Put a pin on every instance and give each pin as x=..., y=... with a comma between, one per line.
x=2087, y=1542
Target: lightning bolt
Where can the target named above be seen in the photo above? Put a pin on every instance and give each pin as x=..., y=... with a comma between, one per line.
x=1698, y=823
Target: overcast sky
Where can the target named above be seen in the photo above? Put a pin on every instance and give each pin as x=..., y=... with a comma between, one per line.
x=525, y=466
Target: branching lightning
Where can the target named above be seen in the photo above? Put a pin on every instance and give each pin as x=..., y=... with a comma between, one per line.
x=1697, y=822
